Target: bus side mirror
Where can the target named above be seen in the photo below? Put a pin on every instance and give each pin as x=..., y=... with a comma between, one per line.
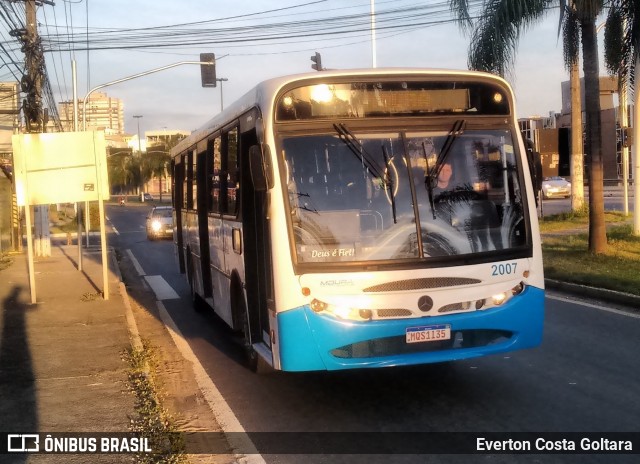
x=260, y=167
x=535, y=167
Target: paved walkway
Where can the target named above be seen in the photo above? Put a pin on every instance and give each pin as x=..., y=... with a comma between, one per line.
x=60, y=360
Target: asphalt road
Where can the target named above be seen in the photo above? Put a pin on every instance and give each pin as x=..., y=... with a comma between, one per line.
x=584, y=378
x=560, y=205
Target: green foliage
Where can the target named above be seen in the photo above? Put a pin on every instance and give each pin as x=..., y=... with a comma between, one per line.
x=566, y=259
x=579, y=219
x=128, y=172
x=152, y=420
x=570, y=38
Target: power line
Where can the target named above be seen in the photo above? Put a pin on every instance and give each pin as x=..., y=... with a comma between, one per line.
x=185, y=34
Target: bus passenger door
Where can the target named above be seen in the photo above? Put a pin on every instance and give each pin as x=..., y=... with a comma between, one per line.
x=257, y=248
x=204, y=167
x=177, y=168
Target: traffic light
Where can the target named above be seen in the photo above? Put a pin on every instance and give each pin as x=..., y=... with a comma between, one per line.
x=208, y=71
x=317, y=62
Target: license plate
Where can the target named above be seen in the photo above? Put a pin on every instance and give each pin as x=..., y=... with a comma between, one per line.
x=428, y=333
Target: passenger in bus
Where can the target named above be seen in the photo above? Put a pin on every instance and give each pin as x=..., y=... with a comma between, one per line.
x=444, y=182
x=465, y=208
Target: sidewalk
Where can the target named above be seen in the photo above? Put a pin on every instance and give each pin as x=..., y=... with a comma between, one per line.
x=61, y=363
x=60, y=359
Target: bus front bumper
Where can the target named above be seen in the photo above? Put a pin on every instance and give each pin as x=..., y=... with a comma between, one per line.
x=311, y=341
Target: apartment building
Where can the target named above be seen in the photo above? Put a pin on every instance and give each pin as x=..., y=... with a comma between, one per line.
x=103, y=113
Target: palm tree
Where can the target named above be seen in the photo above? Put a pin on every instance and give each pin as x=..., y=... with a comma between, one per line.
x=571, y=42
x=120, y=175
x=494, y=40
x=157, y=162
x=577, y=144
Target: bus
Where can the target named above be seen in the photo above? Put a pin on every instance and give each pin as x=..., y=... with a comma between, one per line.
x=313, y=218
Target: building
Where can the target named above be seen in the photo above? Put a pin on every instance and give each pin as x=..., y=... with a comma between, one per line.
x=611, y=156
x=103, y=113
x=9, y=125
x=164, y=137
x=9, y=114
x=550, y=141
x=552, y=136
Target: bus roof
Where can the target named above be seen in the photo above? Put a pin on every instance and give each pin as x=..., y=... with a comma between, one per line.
x=263, y=94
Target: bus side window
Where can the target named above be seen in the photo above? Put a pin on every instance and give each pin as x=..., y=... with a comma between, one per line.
x=215, y=176
x=185, y=181
x=231, y=172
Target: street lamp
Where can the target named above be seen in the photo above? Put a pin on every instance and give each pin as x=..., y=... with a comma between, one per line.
x=139, y=140
x=221, y=80
x=137, y=116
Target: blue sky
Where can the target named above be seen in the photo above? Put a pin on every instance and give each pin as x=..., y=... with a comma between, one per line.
x=174, y=98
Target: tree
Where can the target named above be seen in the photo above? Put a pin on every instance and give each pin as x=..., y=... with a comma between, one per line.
x=571, y=42
x=121, y=177
x=494, y=40
x=157, y=163
x=158, y=159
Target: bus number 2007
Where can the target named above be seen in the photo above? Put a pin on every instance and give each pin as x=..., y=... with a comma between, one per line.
x=503, y=269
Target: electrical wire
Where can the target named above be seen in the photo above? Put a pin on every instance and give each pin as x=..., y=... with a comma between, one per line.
x=192, y=34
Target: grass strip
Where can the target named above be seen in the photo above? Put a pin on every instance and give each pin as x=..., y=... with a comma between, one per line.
x=152, y=420
x=566, y=258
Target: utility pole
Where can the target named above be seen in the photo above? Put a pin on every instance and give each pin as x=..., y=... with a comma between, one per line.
x=31, y=86
x=34, y=63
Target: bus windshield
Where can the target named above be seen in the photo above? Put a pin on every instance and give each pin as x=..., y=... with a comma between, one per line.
x=369, y=196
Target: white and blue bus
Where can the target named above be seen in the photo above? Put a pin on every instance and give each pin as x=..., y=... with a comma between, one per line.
x=364, y=218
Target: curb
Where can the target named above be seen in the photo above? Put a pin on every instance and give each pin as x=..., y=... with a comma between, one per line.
x=132, y=326
x=611, y=296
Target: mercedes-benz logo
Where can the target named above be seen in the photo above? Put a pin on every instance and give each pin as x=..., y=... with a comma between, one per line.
x=425, y=303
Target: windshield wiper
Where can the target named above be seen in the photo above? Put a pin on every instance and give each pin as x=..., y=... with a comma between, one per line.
x=456, y=130
x=428, y=182
x=358, y=149
x=432, y=175
x=369, y=162
x=389, y=181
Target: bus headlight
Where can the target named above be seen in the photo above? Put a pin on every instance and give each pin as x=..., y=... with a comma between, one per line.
x=500, y=298
x=341, y=311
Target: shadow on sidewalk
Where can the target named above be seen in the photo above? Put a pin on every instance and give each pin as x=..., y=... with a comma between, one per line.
x=75, y=265
x=18, y=402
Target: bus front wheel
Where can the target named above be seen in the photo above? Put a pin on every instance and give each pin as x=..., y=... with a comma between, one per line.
x=253, y=360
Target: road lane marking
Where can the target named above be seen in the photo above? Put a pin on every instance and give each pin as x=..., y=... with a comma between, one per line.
x=225, y=417
x=115, y=230
x=135, y=262
x=161, y=288
x=594, y=306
